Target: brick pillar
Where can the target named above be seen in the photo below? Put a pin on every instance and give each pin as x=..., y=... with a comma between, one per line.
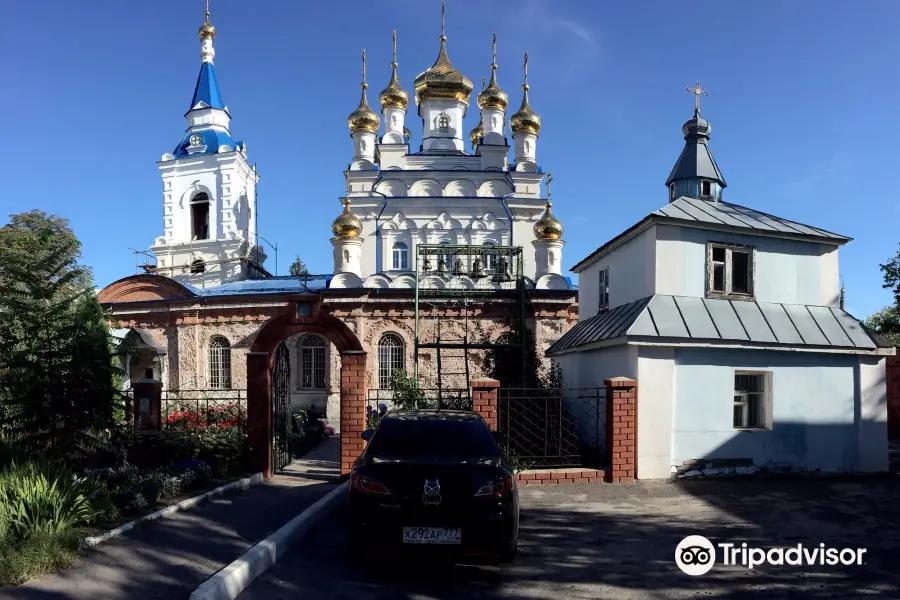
x=259, y=413
x=353, y=407
x=484, y=399
x=621, y=428
x=147, y=404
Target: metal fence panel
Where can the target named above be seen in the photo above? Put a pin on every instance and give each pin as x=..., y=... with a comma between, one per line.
x=557, y=427
x=380, y=401
x=203, y=408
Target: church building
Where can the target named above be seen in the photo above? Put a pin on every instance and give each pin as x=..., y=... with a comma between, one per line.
x=441, y=234
x=732, y=322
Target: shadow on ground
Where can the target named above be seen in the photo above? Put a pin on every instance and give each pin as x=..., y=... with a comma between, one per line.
x=619, y=541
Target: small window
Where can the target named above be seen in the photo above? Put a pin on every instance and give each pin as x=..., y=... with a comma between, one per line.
x=671, y=192
x=391, y=358
x=705, y=188
x=200, y=216
x=198, y=266
x=400, y=257
x=312, y=362
x=604, y=289
x=219, y=364
x=730, y=270
x=444, y=124
x=751, y=400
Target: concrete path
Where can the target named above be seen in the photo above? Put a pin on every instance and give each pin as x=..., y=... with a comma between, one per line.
x=175, y=555
x=617, y=542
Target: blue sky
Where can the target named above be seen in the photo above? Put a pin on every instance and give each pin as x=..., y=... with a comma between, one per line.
x=804, y=102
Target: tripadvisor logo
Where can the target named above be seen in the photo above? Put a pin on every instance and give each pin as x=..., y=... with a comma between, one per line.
x=696, y=555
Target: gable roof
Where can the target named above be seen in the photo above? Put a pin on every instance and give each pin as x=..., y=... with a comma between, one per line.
x=694, y=212
x=682, y=318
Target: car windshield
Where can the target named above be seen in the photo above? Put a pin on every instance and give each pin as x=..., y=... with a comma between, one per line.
x=444, y=439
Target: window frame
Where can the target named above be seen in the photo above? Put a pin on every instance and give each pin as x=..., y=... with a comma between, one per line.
x=672, y=192
x=218, y=363
x=603, y=288
x=728, y=292
x=389, y=357
x=399, y=256
x=443, y=122
x=318, y=362
x=705, y=188
x=199, y=200
x=766, y=401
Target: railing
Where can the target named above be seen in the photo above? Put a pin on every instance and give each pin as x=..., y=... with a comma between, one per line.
x=380, y=401
x=558, y=427
x=181, y=409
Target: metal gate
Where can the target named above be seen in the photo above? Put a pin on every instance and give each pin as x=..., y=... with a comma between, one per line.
x=281, y=408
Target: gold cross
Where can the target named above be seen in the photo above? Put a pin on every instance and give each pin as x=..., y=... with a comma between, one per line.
x=549, y=180
x=525, y=67
x=697, y=91
x=395, y=46
x=494, y=50
x=443, y=8
x=364, y=68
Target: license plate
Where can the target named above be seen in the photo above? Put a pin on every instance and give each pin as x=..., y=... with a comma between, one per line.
x=431, y=535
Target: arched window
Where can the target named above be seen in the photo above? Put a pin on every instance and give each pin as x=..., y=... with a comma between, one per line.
x=311, y=350
x=219, y=364
x=444, y=123
x=400, y=256
x=391, y=358
x=200, y=216
x=198, y=266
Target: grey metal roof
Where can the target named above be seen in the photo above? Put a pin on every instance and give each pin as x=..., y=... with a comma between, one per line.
x=724, y=213
x=707, y=319
x=696, y=161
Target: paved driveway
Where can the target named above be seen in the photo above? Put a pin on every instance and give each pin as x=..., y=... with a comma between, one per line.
x=618, y=542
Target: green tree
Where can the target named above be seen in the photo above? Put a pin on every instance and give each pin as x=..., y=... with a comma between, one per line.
x=298, y=267
x=886, y=323
x=56, y=363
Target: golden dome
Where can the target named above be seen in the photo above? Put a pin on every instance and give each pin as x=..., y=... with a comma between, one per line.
x=442, y=80
x=476, y=133
x=393, y=94
x=364, y=118
x=548, y=227
x=525, y=120
x=207, y=30
x=347, y=225
x=492, y=96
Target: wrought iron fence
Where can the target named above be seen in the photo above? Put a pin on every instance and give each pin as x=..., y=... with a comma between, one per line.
x=557, y=427
x=380, y=401
x=181, y=409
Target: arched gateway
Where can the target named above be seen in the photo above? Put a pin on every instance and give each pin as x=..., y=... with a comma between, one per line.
x=263, y=381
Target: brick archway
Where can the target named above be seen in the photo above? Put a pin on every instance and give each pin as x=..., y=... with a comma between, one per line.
x=353, y=381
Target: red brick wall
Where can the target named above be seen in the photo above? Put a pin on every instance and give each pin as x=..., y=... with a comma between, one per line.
x=484, y=399
x=353, y=407
x=259, y=412
x=621, y=428
x=892, y=376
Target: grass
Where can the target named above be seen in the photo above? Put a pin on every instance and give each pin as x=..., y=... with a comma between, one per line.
x=36, y=555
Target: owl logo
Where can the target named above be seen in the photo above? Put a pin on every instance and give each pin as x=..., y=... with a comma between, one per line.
x=432, y=492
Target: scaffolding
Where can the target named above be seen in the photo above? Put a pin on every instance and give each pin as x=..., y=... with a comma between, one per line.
x=452, y=284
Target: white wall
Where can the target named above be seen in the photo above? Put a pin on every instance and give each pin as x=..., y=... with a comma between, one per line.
x=632, y=270
x=786, y=271
x=592, y=367
x=817, y=409
x=656, y=388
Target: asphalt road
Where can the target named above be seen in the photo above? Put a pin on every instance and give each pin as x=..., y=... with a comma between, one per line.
x=618, y=542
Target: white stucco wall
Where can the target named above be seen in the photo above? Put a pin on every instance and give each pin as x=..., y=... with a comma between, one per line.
x=656, y=389
x=632, y=270
x=817, y=409
x=592, y=367
x=786, y=271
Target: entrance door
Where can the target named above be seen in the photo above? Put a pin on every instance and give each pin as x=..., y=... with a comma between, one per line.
x=281, y=409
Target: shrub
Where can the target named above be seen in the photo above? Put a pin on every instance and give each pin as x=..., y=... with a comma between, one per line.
x=221, y=448
x=38, y=554
x=43, y=497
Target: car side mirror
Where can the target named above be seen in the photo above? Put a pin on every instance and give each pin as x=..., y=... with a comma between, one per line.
x=367, y=434
x=499, y=436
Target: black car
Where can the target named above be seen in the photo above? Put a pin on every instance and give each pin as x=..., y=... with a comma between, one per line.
x=433, y=479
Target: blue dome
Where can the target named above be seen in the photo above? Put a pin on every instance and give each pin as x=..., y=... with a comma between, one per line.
x=211, y=138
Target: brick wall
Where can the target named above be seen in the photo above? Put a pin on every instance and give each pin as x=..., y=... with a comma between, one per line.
x=892, y=376
x=484, y=392
x=621, y=428
x=353, y=407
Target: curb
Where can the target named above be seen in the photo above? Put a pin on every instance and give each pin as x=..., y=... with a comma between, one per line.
x=230, y=581
x=170, y=510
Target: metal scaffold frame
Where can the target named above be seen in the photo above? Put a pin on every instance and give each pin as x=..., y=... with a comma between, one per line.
x=475, y=275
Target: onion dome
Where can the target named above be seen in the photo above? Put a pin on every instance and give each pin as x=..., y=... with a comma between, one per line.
x=476, y=133
x=492, y=96
x=442, y=80
x=548, y=226
x=347, y=225
x=364, y=118
x=525, y=120
x=394, y=95
x=207, y=30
